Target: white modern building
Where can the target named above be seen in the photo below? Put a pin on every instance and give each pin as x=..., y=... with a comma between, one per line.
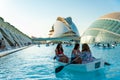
x=12, y=36
x=106, y=29
x=64, y=27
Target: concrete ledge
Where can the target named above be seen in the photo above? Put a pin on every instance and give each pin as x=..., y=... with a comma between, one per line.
x=4, y=53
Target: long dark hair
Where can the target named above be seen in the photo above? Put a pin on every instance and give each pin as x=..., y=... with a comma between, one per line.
x=76, y=46
x=85, y=47
x=58, y=47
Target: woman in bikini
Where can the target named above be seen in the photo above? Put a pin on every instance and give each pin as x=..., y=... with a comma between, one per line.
x=60, y=56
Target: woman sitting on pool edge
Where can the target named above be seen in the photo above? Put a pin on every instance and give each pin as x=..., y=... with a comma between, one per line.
x=60, y=54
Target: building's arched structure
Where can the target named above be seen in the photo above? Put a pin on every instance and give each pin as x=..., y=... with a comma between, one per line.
x=104, y=30
x=12, y=36
x=64, y=27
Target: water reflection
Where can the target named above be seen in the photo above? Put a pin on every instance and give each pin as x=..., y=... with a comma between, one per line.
x=36, y=63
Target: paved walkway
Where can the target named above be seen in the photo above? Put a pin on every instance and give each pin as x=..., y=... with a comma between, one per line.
x=4, y=53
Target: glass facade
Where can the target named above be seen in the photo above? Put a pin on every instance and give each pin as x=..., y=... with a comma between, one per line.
x=103, y=30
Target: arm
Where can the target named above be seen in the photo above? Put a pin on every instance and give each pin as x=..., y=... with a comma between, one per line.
x=90, y=57
x=56, y=52
x=75, y=53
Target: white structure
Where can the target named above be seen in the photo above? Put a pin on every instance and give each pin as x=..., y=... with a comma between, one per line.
x=105, y=29
x=64, y=27
x=12, y=36
x=87, y=67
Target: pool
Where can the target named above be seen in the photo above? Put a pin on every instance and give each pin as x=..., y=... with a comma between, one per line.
x=36, y=63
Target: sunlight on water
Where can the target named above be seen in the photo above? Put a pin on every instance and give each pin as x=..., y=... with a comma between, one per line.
x=36, y=63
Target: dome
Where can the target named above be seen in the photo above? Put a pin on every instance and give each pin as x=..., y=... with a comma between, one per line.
x=115, y=15
x=106, y=30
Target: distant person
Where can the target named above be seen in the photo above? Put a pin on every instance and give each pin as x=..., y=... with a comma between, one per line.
x=2, y=47
x=86, y=54
x=75, y=56
x=108, y=45
x=60, y=54
x=16, y=45
x=0, y=43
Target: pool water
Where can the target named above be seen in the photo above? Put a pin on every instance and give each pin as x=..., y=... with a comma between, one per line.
x=36, y=63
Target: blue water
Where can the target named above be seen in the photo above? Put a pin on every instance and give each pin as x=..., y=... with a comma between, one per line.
x=36, y=63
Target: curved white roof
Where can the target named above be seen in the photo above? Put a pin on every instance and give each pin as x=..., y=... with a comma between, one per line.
x=64, y=27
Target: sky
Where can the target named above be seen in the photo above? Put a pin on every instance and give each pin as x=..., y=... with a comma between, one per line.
x=36, y=17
